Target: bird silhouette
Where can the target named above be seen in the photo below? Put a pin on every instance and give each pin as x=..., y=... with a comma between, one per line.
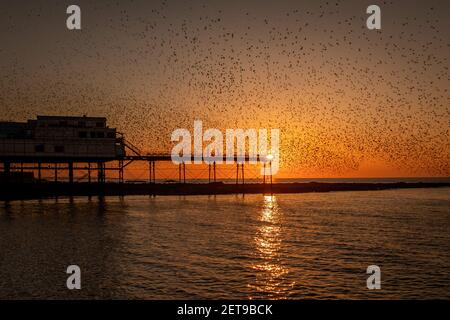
x=343, y=96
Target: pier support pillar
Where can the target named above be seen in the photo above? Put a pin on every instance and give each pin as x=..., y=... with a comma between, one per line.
x=152, y=171
x=70, y=172
x=101, y=172
x=182, y=169
x=211, y=172
x=120, y=171
x=6, y=170
x=6, y=167
x=241, y=166
x=39, y=172
x=270, y=166
x=264, y=173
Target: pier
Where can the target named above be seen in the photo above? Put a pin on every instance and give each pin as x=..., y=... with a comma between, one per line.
x=82, y=147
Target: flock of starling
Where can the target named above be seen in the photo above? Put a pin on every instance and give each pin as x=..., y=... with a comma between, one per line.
x=342, y=95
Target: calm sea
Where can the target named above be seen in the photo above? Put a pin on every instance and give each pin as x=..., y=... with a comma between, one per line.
x=294, y=246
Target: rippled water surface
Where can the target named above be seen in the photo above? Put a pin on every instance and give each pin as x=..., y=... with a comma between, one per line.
x=229, y=246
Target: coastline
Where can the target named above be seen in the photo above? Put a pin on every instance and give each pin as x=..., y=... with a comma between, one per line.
x=51, y=190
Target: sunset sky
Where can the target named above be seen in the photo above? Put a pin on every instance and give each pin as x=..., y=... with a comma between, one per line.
x=349, y=101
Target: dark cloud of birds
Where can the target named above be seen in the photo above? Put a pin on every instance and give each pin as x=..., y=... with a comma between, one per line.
x=341, y=94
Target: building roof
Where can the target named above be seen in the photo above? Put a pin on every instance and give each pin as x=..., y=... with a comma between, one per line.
x=70, y=118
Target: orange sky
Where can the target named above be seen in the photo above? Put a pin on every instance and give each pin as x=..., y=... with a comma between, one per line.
x=348, y=101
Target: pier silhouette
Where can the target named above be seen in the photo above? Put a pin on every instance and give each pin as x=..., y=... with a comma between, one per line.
x=55, y=143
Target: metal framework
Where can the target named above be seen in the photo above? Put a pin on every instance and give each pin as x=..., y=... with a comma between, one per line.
x=131, y=154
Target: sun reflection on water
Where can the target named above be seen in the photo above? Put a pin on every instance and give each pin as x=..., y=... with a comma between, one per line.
x=269, y=269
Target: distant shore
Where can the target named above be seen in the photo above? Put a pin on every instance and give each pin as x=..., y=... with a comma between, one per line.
x=51, y=190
